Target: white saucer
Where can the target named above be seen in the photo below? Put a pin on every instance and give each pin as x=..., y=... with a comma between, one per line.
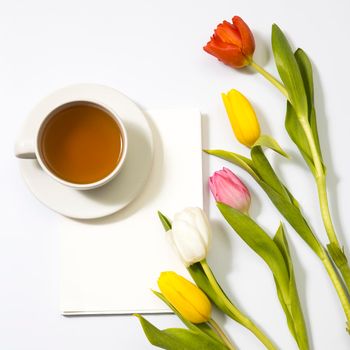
x=116, y=194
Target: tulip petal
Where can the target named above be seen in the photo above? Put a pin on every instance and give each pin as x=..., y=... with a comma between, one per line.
x=179, y=301
x=188, y=242
x=248, y=42
x=227, y=191
x=203, y=226
x=227, y=188
x=235, y=121
x=226, y=53
x=228, y=34
x=242, y=117
x=186, y=297
x=190, y=235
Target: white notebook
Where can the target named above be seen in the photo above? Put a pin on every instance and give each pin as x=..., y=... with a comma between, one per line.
x=110, y=265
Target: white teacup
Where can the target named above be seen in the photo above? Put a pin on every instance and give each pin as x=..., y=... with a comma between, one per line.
x=33, y=149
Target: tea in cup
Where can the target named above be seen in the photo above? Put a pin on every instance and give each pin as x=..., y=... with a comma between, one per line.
x=81, y=144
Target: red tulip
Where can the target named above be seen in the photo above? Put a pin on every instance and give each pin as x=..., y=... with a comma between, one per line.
x=232, y=43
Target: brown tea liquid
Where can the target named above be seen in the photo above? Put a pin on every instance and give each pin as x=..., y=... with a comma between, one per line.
x=81, y=143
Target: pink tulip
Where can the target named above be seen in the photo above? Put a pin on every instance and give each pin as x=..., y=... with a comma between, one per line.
x=227, y=188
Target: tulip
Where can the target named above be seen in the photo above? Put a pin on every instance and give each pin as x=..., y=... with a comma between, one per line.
x=242, y=117
x=227, y=188
x=232, y=43
x=190, y=235
x=192, y=304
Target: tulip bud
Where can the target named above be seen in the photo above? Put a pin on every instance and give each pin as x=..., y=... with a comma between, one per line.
x=242, y=117
x=227, y=188
x=232, y=43
x=190, y=235
x=185, y=297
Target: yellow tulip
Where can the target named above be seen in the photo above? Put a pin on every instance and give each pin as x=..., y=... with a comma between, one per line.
x=185, y=297
x=242, y=117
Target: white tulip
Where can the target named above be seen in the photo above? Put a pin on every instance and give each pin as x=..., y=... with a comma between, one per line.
x=190, y=235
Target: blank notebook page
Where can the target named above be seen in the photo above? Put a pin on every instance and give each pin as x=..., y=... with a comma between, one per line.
x=110, y=265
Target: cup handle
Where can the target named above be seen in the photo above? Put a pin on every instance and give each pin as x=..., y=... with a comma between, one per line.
x=25, y=149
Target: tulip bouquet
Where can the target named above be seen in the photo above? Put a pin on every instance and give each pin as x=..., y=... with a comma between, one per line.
x=190, y=234
x=233, y=44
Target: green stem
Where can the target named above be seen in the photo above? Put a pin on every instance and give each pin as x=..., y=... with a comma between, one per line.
x=320, y=178
x=342, y=264
x=240, y=317
x=269, y=77
x=339, y=288
x=345, y=272
x=326, y=215
x=221, y=334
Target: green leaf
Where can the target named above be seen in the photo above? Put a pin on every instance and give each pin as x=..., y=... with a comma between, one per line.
x=286, y=311
x=265, y=171
x=294, y=216
x=234, y=158
x=269, y=142
x=276, y=254
x=200, y=327
x=292, y=122
x=205, y=328
x=296, y=320
x=289, y=72
x=283, y=199
x=165, y=221
x=292, y=199
x=305, y=67
x=297, y=134
x=178, y=338
x=258, y=240
x=337, y=255
x=313, y=125
x=197, y=273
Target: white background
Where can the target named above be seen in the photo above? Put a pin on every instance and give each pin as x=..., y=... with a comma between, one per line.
x=152, y=51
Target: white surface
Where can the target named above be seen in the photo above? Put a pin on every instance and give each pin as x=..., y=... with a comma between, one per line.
x=109, y=265
x=114, y=195
x=151, y=51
